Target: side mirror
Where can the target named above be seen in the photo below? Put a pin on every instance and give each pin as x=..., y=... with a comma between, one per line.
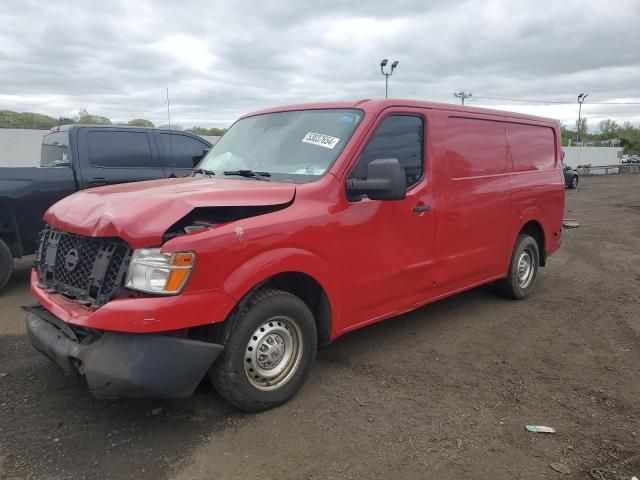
x=197, y=158
x=385, y=181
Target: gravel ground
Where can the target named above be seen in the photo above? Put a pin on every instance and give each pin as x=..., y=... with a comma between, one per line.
x=442, y=392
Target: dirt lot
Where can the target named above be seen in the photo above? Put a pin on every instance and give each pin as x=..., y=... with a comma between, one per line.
x=443, y=392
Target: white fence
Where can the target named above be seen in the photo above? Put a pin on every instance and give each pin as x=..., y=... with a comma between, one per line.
x=20, y=147
x=595, y=156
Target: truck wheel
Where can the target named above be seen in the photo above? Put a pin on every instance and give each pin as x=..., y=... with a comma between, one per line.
x=523, y=269
x=269, y=346
x=6, y=263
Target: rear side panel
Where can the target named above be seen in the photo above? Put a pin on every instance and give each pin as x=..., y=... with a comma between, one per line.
x=473, y=194
x=537, y=181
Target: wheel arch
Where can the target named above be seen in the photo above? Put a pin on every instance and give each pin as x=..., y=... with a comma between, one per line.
x=535, y=229
x=9, y=231
x=296, y=271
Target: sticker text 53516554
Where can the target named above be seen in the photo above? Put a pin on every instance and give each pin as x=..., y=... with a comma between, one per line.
x=321, y=140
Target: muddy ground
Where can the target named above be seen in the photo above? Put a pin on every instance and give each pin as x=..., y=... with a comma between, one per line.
x=443, y=392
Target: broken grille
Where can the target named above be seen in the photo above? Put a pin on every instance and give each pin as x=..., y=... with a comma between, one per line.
x=88, y=269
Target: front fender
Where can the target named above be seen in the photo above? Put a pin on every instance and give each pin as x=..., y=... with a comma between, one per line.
x=281, y=260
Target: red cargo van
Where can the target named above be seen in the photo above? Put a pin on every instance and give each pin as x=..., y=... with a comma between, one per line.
x=301, y=224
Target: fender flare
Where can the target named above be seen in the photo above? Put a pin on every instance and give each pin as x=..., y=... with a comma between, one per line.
x=9, y=229
x=533, y=214
x=262, y=267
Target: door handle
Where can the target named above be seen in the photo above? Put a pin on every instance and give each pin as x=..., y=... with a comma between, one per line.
x=97, y=181
x=421, y=208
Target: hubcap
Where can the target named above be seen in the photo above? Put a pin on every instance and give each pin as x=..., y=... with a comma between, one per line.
x=526, y=268
x=273, y=353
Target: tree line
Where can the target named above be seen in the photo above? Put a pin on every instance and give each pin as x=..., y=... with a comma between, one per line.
x=608, y=130
x=627, y=134
x=38, y=121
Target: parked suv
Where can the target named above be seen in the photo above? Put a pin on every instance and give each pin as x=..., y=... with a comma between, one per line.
x=301, y=224
x=571, y=177
x=76, y=157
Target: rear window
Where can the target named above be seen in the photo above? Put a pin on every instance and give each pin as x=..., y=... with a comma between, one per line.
x=180, y=150
x=55, y=150
x=119, y=149
x=475, y=147
x=531, y=147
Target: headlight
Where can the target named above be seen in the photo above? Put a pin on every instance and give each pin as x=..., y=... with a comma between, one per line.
x=154, y=272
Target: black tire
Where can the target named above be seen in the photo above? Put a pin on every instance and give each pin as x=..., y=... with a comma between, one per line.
x=230, y=376
x=6, y=263
x=514, y=286
x=574, y=183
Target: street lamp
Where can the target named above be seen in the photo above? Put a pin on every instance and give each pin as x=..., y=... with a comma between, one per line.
x=581, y=98
x=462, y=96
x=383, y=64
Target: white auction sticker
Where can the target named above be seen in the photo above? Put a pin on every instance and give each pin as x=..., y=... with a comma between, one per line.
x=321, y=140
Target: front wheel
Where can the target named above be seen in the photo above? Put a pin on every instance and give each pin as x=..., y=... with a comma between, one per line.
x=6, y=263
x=523, y=269
x=269, y=346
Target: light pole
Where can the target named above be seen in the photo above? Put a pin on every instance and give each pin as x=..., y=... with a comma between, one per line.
x=462, y=96
x=383, y=64
x=581, y=98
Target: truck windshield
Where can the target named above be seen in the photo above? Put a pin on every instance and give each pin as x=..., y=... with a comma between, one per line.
x=55, y=150
x=295, y=146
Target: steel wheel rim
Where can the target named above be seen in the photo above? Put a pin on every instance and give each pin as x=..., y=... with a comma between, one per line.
x=273, y=353
x=575, y=182
x=526, y=268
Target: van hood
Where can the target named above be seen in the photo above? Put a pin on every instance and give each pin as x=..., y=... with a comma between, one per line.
x=140, y=213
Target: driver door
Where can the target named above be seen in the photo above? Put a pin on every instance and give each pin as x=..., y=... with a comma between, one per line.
x=389, y=244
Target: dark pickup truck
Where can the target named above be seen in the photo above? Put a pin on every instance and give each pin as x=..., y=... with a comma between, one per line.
x=77, y=157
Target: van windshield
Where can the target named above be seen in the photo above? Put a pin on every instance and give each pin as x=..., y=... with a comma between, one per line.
x=55, y=150
x=294, y=146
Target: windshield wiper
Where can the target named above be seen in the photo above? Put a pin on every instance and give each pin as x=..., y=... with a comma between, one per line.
x=202, y=171
x=249, y=174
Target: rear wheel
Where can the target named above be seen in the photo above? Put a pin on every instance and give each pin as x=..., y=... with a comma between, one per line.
x=523, y=269
x=574, y=183
x=6, y=263
x=269, y=347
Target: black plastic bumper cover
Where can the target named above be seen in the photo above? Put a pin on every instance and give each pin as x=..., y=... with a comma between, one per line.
x=124, y=364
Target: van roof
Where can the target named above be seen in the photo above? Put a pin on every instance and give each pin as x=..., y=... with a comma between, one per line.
x=377, y=105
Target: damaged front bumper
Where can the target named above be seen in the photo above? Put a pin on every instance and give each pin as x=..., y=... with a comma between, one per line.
x=123, y=364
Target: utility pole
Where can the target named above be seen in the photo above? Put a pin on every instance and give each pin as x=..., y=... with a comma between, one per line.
x=383, y=64
x=462, y=96
x=581, y=98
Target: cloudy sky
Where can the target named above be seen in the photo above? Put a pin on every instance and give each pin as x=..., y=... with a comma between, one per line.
x=222, y=59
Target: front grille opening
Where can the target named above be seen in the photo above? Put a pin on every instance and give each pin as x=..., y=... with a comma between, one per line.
x=87, y=269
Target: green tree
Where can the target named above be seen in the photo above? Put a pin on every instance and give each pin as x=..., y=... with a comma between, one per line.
x=567, y=135
x=173, y=126
x=630, y=138
x=140, y=122
x=582, y=129
x=608, y=129
x=36, y=121
x=207, y=131
x=86, y=118
x=66, y=121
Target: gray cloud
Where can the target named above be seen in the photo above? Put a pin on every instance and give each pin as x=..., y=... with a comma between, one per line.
x=222, y=60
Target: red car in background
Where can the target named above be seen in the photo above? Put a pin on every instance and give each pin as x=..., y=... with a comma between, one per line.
x=301, y=224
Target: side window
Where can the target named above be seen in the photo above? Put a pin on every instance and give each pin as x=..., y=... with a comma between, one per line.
x=475, y=147
x=119, y=149
x=398, y=136
x=531, y=147
x=184, y=148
